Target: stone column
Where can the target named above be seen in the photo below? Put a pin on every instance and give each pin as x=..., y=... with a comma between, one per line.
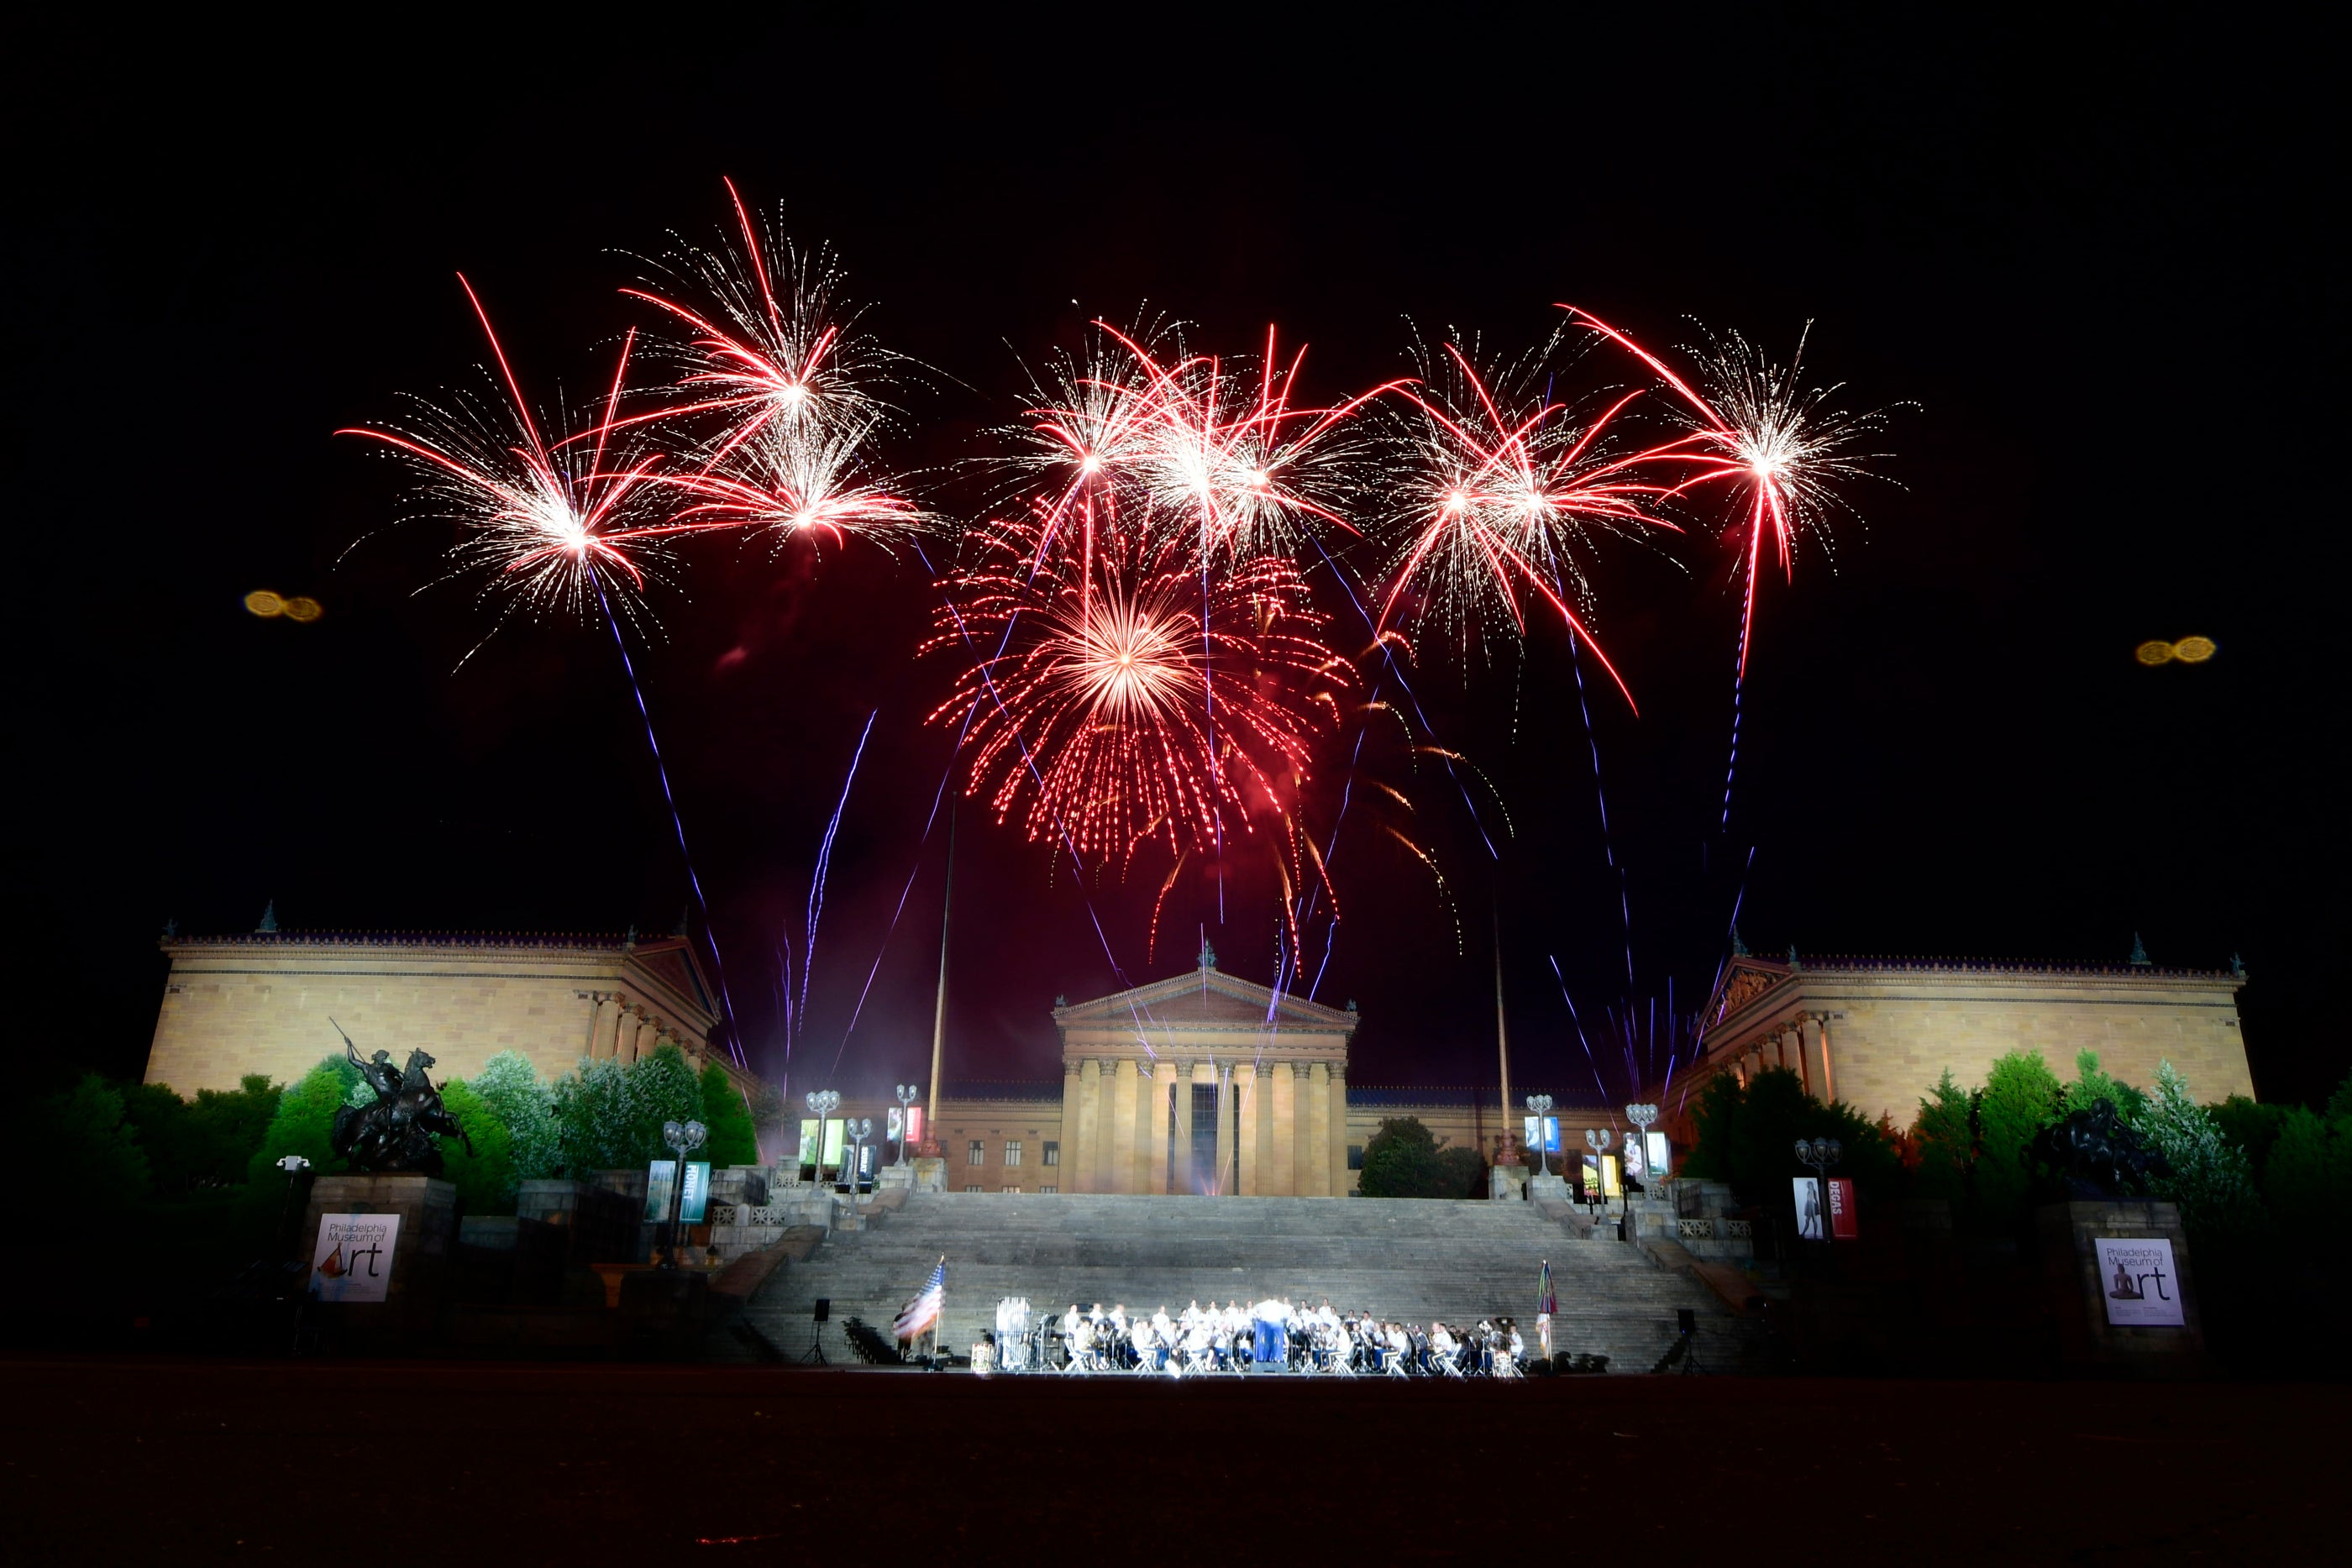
x=1339, y=1132
x=1247, y=1098
x=1121, y=1177
x=1082, y=1175
x=625, y=1038
x=1282, y=1169
x=1153, y=1128
x=1259, y=1129
x=1314, y=1176
x=1797, y=1052
x=1828, y=1077
x=600, y=1019
x=1221, y=1180
x=1066, y=1175
x=1180, y=1160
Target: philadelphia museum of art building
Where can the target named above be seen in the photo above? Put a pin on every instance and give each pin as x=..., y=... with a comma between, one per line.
x=1201, y=1084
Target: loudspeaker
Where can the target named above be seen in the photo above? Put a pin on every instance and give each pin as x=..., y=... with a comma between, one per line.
x=825, y=1310
x=1685, y=1318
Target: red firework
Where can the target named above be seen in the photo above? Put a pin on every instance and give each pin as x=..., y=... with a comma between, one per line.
x=551, y=525
x=1118, y=699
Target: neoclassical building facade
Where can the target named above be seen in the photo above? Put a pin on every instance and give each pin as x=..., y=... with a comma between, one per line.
x=1878, y=1033
x=1204, y=1083
x=272, y=1002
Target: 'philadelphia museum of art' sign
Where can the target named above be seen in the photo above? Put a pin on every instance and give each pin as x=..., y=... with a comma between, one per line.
x=352, y=1261
x=2141, y=1286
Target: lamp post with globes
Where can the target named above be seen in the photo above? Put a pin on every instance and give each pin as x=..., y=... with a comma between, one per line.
x=684, y=1139
x=1598, y=1141
x=821, y=1104
x=1540, y=1106
x=908, y=1095
x=857, y=1129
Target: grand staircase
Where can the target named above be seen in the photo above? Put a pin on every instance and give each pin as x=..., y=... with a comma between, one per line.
x=1403, y=1259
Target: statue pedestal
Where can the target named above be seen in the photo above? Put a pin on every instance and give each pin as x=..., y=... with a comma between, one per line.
x=930, y=1173
x=890, y=1177
x=1507, y=1182
x=1551, y=1188
x=417, y=1270
x=2111, y=1309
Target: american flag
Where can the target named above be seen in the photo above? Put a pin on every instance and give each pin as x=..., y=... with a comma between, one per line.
x=923, y=1311
x=1545, y=1300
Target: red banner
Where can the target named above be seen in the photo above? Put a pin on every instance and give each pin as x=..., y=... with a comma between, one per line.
x=1845, y=1224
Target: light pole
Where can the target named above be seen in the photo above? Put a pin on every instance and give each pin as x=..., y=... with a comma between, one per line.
x=1598, y=1142
x=685, y=1140
x=1641, y=1116
x=821, y=1104
x=858, y=1129
x=908, y=1095
x=1821, y=1154
x=1539, y=1106
x=293, y=1165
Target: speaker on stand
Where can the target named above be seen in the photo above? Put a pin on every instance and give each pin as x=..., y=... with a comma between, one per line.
x=817, y=1316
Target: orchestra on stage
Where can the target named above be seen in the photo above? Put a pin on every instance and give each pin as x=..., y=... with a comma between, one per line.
x=1241, y=1338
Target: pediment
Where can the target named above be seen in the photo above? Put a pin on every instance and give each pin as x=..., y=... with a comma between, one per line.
x=670, y=961
x=1204, y=998
x=1744, y=980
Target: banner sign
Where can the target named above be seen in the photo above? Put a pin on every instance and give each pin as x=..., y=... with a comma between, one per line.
x=897, y=1123
x=914, y=1124
x=352, y=1261
x=1636, y=1167
x=661, y=1183
x=2137, y=1277
x=1655, y=1143
x=1808, y=1208
x=1846, y=1224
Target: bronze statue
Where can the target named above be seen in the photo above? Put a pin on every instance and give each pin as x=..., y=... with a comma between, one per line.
x=402, y=1129
x=2094, y=1154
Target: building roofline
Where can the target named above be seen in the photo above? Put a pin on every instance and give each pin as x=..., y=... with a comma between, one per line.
x=598, y=941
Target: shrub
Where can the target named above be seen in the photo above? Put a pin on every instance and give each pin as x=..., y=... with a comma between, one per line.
x=2309, y=1180
x=1946, y=1136
x=2091, y=1084
x=79, y=1142
x=591, y=1118
x=484, y=1178
x=1748, y=1138
x=525, y=1106
x=304, y=1123
x=733, y=1141
x=1400, y=1160
x=660, y=1088
x=1461, y=1173
x=2020, y=1097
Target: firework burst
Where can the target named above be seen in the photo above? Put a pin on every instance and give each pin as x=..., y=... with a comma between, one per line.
x=1498, y=492
x=1781, y=447
x=564, y=526
x=796, y=485
x=1123, y=702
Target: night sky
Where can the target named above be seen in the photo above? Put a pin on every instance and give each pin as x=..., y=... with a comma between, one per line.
x=2092, y=258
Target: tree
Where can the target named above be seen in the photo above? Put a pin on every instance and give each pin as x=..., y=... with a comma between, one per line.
x=660, y=1088
x=484, y=1178
x=2020, y=1097
x=591, y=1118
x=1400, y=1160
x=80, y=1141
x=2093, y=1083
x=305, y=1120
x=733, y=1141
x=2308, y=1181
x=525, y=1106
x=2254, y=1128
x=1748, y=1138
x=2211, y=1180
x=1946, y=1133
x=1461, y=1173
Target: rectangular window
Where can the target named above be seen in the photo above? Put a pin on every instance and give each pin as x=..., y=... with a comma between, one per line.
x=1355, y=1156
x=1049, y=1189
x=1012, y=1151
x=1008, y=1189
x=975, y=1188
x=975, y=1153
x=1053, y=1156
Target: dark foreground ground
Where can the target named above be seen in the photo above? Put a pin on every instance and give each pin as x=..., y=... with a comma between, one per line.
x=156, y=1461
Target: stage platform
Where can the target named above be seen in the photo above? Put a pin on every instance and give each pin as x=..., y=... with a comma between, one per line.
x=1404, y=1259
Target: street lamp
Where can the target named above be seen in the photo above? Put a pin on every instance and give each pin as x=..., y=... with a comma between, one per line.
x=1539, y=1106
x=684, y=1139
x=908, y=1095
x=293, y=1165
x=1821, y=1154
x=821, y=1104
x=859, y=1129
x=1598, y=1142
x=1639, y=1139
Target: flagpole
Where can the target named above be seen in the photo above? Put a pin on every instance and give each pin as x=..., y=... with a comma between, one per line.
x=1502, y=1040
x=939, y=1008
